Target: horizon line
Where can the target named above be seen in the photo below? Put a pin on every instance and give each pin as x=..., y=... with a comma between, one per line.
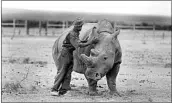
x=65, y=11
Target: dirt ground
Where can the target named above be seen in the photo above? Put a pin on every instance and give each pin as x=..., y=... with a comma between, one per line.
x=28, y=70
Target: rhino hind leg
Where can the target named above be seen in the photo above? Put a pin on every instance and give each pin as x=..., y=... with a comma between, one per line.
x=92, y=87
x=111, y=79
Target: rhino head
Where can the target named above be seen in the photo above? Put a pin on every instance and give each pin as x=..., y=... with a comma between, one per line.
x=103, y=56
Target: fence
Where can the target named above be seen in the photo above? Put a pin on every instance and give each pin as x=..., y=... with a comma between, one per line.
x=25, y=24
x=62, y=26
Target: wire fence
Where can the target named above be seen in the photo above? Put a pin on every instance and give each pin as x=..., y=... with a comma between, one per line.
x=14, y=29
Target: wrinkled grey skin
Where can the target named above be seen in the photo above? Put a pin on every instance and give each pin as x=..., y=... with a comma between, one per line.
x=104, y=59
x=101, y=59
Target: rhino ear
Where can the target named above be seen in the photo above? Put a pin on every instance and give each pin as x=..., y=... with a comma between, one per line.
x=116, y=33
x=93, y=33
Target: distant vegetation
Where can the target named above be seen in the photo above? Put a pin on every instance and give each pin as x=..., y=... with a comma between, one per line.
x=33, y=17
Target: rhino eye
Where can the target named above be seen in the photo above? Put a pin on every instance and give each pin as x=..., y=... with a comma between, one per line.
x=105, y=58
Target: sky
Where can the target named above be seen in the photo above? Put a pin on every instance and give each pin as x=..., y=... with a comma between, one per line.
x=162, y=8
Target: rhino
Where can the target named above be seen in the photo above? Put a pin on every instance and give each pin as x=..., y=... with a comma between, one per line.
x=97, y=60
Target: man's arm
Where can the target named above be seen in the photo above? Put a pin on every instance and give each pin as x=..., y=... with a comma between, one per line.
x=76, y=42
x=83, y=41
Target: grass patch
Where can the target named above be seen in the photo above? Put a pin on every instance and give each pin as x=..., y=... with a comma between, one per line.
x=12, y=87
x=12, y=61
x=168, y=65
x=15, y=87
x=26, y=60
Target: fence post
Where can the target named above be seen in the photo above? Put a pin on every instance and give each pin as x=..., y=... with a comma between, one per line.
x=63, y=25
x=19, y=32
x=14, y=26
x=154, y=29
x=40, y=28
x=2, y=31
x=114, y=24
x=53, y=33
x=163, y=35
x=134, y=26
x=46, y=28
x=26, y=27
x=66, y=24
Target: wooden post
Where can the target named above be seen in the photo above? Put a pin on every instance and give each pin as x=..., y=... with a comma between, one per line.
x=26, y=27
x=134, y=26
x=14, y=26
x=163, y=35
x=2, y=31
x=63, y=25
x=154, y=29
x=153, y=26
x=19, y=32
x=114, y=24
x=40, y=28
x=66, y=24
x=53, y=33
x=46, y=28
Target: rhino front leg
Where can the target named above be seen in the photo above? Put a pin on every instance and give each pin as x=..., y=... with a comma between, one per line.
x=111, y=79
x=92, y=84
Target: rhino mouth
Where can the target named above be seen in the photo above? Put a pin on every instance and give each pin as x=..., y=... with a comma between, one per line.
x=93, y=74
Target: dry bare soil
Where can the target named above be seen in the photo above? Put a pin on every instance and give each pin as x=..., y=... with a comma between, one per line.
x=28, y=70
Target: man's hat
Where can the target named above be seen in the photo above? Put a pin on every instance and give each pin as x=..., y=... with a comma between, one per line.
x=78, y=22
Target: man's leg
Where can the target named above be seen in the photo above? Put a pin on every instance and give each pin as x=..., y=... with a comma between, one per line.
x=66, y=81
x=57, y=82
x=59, y=78
x=63, y=65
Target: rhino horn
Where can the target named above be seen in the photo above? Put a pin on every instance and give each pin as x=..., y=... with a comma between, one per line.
x=87, y=60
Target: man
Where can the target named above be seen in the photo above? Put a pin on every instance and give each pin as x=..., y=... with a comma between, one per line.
x=71, y=42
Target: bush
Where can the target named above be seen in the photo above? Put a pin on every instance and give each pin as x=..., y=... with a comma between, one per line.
x=12, y=87
x=26, y=60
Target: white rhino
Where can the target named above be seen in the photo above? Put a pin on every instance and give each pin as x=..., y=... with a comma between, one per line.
x=97, y=60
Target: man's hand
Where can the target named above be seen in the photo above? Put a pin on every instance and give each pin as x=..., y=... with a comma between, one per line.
x=83, y=41
x=95, y=41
